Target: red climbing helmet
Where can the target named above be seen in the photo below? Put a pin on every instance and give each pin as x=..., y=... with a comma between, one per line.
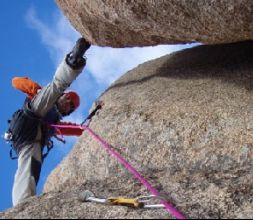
x=74, y=97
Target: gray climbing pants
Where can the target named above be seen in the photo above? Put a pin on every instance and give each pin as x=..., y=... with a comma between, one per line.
x=28, y=172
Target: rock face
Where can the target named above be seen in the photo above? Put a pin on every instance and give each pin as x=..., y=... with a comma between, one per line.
x=185, y=121
x=128, y=23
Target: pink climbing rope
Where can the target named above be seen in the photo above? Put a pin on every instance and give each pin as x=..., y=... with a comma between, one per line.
x=174, y=212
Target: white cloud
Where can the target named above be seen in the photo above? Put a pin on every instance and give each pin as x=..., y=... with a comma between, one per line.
x=107, y=64
x=58, y=36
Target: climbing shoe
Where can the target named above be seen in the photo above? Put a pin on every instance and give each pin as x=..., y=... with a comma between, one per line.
x=75, y=57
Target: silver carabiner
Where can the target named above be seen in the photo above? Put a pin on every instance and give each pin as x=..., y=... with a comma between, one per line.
x=147, y=199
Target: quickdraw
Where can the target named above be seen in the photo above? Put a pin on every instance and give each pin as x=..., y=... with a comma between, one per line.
x=139, y=202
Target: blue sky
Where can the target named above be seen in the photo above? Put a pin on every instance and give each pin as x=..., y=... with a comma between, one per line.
x=35, y=37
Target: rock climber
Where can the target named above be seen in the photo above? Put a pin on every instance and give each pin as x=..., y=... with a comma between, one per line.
x=29, y=131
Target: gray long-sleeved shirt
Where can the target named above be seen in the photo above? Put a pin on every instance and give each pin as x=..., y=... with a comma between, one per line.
x=47, y=97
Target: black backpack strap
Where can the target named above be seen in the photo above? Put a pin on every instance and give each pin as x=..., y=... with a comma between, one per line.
x=49, y=146
x=11, y=155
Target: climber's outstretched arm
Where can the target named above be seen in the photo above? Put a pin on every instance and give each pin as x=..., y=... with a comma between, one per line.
x=48, y=96
x=66, y=73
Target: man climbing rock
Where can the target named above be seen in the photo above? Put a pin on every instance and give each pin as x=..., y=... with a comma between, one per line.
x=29, y=128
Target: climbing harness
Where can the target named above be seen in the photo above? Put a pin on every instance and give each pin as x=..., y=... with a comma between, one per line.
x=139, y=202
x=173, y=211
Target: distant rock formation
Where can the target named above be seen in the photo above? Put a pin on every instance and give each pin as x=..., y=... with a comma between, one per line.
x=128, y=23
